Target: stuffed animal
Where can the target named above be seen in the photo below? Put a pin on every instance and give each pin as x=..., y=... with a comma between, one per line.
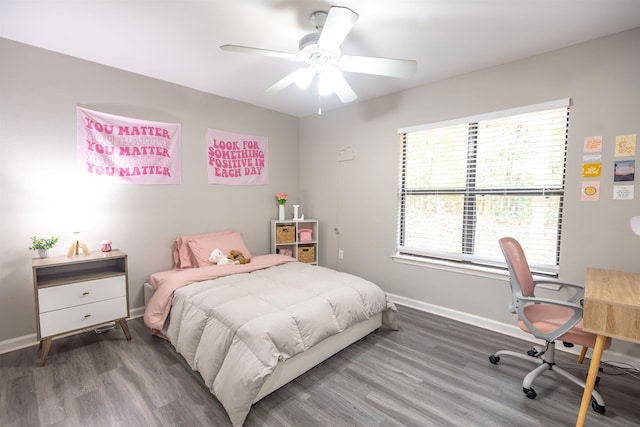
x=218, y=257
x=237, y=256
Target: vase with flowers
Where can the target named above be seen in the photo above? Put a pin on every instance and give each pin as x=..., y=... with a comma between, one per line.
x=281, y=198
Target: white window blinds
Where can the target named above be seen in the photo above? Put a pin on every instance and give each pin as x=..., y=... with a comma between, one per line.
x=464, y=184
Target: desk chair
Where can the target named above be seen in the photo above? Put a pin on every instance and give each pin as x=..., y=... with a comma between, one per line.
x=545, y=318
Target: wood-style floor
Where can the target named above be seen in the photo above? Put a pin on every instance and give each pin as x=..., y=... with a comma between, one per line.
x=432, y=372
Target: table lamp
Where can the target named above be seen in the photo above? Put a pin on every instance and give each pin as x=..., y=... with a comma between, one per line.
x=635, y=224
x=76, y=244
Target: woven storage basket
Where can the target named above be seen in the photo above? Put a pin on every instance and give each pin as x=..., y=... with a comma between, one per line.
x=306, y=253
x=285, y=234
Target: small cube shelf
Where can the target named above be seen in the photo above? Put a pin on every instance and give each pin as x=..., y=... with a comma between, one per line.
x=79, y=292
x=296, y=238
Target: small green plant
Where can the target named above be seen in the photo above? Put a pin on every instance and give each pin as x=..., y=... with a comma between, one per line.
x=39, y=243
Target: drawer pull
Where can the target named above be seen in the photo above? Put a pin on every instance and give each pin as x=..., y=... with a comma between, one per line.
x=85, y=293
x=86, y=316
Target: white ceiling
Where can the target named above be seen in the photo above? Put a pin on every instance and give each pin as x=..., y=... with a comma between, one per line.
x=178, y=41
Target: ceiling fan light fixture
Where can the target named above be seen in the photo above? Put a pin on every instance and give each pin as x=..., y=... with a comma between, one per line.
x=327, y=79
x=304, y=77
x=324, y=86
x=310, y=52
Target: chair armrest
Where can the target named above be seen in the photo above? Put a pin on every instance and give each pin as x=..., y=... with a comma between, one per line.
x=538, y=300
x=578, y=288
x=558, y=282
x=558, y=332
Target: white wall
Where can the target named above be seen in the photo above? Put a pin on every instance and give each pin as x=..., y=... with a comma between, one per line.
x=39, y=186
x=601, y=77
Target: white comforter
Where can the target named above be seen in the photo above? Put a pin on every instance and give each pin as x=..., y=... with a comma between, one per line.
x=235, y=329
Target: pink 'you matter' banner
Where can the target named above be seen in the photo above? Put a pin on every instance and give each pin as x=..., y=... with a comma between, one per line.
x=236, y=159
x=126, y=150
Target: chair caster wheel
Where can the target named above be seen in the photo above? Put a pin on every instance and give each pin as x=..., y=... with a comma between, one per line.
x=531, y=393
x=494, y=359
x=535, y=352
x=598, y=408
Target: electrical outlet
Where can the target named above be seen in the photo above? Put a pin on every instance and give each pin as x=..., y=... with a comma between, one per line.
x=340, y=254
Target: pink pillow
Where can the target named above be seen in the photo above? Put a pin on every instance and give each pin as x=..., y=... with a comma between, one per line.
x=201, y=248
x=182, y=255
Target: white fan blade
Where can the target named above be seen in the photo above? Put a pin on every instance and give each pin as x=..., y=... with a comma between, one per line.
x=299, y=75
x=379, y=66
x=258, y=51
x=339, y=22
x=343, y=90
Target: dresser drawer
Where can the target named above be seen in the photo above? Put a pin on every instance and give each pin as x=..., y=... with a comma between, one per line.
x=82, y=316
x=64, y=296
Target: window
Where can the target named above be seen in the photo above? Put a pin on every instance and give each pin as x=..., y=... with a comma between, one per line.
x=466, y=183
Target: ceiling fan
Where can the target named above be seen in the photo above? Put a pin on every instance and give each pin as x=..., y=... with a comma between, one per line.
x=321, y=50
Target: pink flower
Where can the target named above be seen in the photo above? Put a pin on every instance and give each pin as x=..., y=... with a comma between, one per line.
x=282, y=198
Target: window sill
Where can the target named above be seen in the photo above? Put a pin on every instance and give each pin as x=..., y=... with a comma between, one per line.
x=468, y=269
x=454, y=267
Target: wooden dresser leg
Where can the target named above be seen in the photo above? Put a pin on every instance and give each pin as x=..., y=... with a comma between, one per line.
x=45, y=345
x=125, y=328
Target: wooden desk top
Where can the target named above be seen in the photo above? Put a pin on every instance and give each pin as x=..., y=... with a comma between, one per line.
x=612, y=304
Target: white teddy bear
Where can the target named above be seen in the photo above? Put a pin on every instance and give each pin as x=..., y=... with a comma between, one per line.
x=217, y=257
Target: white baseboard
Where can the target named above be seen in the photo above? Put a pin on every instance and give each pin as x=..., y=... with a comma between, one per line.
x=30, y=340
x=17, y=343
x=134, y=313
x=609, y=356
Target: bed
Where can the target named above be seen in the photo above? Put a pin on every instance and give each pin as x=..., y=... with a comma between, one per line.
x=249, y=329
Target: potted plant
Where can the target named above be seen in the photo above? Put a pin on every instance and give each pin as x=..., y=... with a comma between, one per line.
x=43, y=245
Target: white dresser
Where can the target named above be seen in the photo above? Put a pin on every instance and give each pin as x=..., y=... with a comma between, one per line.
x=79, y=292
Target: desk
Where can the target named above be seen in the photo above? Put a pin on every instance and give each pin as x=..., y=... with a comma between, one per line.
x=611, y=309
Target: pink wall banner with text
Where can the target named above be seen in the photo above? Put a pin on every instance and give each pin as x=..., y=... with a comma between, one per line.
x=236, y=159
x=125, y=150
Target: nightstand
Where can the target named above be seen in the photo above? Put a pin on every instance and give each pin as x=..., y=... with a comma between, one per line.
x=79, y=292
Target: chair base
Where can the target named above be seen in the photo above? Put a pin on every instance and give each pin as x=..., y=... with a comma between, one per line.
x=546, y=360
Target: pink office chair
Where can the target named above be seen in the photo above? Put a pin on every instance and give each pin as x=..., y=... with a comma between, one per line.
x=546, y=319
